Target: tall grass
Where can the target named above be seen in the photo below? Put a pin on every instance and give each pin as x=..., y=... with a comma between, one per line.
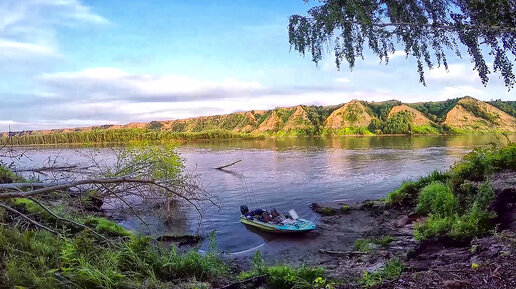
x=38, y=259
x=457, y=203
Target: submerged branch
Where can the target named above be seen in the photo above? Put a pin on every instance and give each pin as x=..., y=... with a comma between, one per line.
x=228, y=165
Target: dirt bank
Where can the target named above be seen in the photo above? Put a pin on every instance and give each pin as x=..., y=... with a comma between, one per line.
x=486, y=262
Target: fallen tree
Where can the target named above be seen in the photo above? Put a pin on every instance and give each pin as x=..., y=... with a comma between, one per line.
x=136, y=175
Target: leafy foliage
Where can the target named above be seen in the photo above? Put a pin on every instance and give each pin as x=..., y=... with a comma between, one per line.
x=507, y=106
x=436, y=198
x=424, y=30
x=37, y=259
x=457, y=206
x=286, y=277
x=407, y=193
x=435, y=111
x=381, y=109
x=390, y=271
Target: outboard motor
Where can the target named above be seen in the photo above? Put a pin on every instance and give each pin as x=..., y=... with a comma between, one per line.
x=244, y=210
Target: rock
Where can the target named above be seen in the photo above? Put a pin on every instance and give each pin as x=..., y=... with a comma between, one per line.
x=401, y=222
x=455, y=284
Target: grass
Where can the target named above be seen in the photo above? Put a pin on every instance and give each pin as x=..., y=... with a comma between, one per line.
x=326, y=211
x=345, y=209
x=107, y=227
x=457, y=203
x=392, y=270
x=425, y=129
x=285, y=276
x=406, y=194
x=38, y=259
x=436, y=198
x=362, y=245
x=365, y=245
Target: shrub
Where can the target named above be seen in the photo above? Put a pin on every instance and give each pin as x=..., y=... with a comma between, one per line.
x=38, y=259
x=7, y=176
x=474, y=223
x=436, y=198
x=476, y=165
x=390, y=271
x=407, y=193
x=286, y=277
x=404, y=195
x=434, y=226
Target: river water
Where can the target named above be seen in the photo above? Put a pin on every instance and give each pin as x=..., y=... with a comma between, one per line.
x=292, y=173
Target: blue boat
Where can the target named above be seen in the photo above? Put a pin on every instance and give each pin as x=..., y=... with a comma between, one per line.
x=292, y=224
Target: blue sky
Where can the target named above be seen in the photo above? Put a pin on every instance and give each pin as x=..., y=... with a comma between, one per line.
x=66, y=63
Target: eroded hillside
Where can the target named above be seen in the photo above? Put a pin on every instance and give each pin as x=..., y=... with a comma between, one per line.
x=465, y=115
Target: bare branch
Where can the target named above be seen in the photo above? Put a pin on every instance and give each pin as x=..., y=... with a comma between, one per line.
x=228, y=165
x=69, y=221
x=28, y=219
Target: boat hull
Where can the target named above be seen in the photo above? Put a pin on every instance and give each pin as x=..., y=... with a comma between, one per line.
x=300, y=227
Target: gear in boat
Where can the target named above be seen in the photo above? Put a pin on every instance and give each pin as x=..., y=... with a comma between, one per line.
x=273, y=221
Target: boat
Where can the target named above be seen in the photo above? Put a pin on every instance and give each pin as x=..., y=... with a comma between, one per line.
x=290, y=223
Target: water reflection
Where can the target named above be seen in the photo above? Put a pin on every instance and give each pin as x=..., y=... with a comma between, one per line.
x=287, y=173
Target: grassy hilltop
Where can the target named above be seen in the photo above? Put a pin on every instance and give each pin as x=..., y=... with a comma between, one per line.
x=454, y=116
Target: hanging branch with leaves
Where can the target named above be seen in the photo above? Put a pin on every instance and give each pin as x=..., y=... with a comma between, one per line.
x=427, y=30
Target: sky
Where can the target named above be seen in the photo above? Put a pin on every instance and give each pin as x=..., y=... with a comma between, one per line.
x=69, y=63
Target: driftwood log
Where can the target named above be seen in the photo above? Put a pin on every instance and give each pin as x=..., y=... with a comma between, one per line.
x=228, y=165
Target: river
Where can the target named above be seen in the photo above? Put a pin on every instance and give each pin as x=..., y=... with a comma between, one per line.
x=286, y=173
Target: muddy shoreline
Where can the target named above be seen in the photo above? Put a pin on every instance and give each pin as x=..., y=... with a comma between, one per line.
x=481, y=263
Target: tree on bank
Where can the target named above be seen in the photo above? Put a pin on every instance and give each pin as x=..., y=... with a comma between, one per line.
x=428, y=30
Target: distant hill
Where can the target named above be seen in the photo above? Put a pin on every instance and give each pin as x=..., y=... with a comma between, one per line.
x=418, y=118
x=460, y=115
x=472, y=115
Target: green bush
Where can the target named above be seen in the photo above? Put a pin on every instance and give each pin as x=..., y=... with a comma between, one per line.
x=476, y=220
x=7, y=176
x=286, y=277
x=478, y=164
x=456, y=204
x=38, y=259
x=403, y=195
x=390, y=271
x=436, y=198
x=433, y=226
x=407, y=193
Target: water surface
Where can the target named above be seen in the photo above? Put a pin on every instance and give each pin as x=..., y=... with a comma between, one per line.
x=288, y=173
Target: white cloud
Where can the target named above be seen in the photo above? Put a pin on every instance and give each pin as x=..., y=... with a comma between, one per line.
x=459, y=91
x=397, y=53
x=456, y=72
x=29, y=27
x=19, y=49
x=342, y=80
x=113, y=83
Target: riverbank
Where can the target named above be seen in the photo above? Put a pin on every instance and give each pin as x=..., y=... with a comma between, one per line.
x=388, y=243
